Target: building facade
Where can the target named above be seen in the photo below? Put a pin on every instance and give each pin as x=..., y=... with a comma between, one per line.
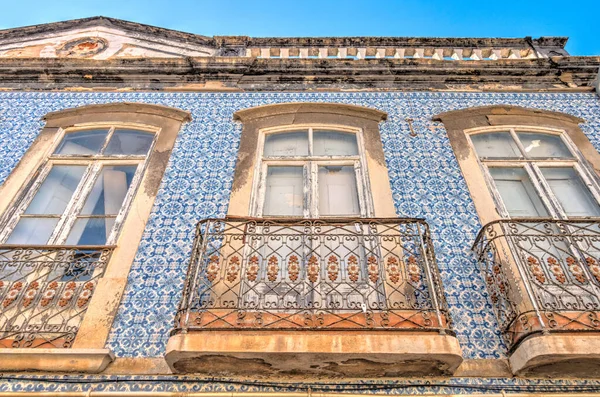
x=183, y=213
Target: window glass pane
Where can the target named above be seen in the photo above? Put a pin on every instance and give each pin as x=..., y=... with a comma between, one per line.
x=82, y=142
x=131, y=142
x=286, y=144
x=109, y=191
x=90, y=231
x=495, y=144
x=284, y=191
x=574, y=197
x=518, y=194
x=333, y=143
x=56, y=190
x=543, y=145
x=34, y=231
x=338, y=194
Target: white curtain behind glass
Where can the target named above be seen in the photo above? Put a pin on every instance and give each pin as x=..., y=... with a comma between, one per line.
x=543, y=145
x=286, y=144
x=574, y=197
x=517, y=192
x=338, y=194
x=284, y=191
x=82, y=142
x=103, y=203
x=333, y=143
x=495, y=144
x=50, y=200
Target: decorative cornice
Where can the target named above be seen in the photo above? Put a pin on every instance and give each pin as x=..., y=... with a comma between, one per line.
x=54, y=27
x=566, y=74
x=450, y=42
x=350, y=48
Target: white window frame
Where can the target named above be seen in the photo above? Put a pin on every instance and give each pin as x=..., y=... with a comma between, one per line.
x=532, y=168
x=310, y=164
x=94, y=164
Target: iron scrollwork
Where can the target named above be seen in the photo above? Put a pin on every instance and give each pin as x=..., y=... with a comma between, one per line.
x=312, y=274
x=558, y=268
x=45, y=291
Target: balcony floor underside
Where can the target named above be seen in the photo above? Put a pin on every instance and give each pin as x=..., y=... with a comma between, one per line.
x=348, y=353
x=558, y=356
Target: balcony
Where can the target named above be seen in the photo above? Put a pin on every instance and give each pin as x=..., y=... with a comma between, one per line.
x=330, y=296
x=543, y=277
x=45, y=291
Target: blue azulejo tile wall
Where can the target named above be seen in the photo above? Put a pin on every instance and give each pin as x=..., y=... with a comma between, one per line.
x=425, y=178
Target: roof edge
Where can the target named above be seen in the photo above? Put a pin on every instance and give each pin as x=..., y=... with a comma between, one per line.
x=25, y=31
x=216, y=41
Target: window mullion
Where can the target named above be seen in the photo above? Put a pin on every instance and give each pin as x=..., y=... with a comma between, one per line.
x=591, y=184
x=495, y=193
x=311, y=190
x=571, y=146
x=515, y=138
x=310, y=142
x=125, y=205
x=362, y=199
x=365, y=184
x=11, y=218
x=69, y=217
x=111, y=131
x=260, y=199
x=544, y=191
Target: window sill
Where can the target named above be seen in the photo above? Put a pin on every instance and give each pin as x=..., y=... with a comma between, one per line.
x=55, y=360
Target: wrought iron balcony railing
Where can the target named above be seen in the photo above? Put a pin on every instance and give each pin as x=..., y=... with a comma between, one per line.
x=543, y=275
x=312, y=274
x=45, y=291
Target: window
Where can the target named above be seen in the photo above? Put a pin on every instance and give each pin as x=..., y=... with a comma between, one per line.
x=310, y=160
x=311, y=172
x=536, y=173
x=65, y=209
x=532, y=177
x=82, y=192
x=289, y=271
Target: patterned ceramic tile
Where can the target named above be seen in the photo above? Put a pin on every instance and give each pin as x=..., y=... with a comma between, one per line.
x=27, y=383
x=424, y=175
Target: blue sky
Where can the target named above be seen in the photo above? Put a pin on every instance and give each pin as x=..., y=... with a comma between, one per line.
x=580, y=20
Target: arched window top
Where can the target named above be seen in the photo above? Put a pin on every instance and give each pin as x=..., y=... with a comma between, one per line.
x=116, y=111
x=311, y=142
x=494, y=114
x=105, y=141
x=310, y=108
x=521, y=143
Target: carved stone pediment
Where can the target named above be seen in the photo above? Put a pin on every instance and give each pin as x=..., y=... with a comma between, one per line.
x=101, y=38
